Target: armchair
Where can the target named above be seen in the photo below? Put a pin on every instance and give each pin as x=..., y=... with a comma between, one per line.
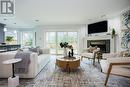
x=92, y=53
x=116, y=63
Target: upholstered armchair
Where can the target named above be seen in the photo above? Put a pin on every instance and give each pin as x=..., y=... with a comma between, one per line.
x=92, y=53
x=116, y=63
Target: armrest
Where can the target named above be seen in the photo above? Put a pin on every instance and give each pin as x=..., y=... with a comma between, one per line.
x=119, y=60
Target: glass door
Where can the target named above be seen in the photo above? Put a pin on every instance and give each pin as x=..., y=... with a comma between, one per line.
x=27, y=39
x=73, y=40
x=51, y=41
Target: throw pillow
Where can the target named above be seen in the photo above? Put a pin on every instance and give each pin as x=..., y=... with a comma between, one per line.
x=34, y=50
x=91, y=49
x=124, y=54
x=40, y=51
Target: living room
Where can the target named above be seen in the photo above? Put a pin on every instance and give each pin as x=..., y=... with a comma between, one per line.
x=64, y=43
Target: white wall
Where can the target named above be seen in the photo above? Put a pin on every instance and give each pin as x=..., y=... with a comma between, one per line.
x=116, y=24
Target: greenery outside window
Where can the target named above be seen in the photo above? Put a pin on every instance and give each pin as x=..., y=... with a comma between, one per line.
x=27, y=39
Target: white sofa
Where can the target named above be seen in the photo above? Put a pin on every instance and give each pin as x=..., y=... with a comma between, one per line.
x=123, y=70
x=36, y=65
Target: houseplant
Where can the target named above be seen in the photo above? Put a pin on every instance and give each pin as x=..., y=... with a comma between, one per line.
x=113, y=32
x=64, y=45
x=9, y=39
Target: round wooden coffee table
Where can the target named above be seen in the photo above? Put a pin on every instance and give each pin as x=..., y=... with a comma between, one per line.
x=68, y=63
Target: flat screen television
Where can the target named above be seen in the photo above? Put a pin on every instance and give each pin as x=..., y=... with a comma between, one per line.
x=98, y=27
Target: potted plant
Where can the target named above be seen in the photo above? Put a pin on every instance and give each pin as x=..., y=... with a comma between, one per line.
x=9, y=39
x=113, y=33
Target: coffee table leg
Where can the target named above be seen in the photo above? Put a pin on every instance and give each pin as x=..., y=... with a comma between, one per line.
x=13, y=70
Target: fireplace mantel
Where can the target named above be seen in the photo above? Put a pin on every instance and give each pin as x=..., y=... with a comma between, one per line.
x=103, y=37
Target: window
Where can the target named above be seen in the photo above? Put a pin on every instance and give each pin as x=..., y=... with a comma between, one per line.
x=11, y=37
x=53, y=40
x=27, y=39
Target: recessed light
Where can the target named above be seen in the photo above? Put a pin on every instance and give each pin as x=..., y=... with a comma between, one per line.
x=5, y=19
x=103, y=16
x=14, y=23
x=36, y=20
x=90, y=19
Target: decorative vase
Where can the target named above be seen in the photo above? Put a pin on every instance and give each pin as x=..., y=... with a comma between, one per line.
x=65, y=52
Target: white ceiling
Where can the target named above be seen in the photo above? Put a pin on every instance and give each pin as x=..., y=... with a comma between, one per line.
x=62, y=12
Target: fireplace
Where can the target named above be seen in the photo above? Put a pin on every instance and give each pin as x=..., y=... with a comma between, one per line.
x=104, y=45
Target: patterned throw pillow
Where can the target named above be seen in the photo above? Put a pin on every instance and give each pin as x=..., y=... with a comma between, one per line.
x=40, y=51
x=36, y=49
x=91, y=49
x=124, y=54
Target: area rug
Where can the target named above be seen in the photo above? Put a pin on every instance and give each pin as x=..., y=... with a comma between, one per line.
x=84, y=76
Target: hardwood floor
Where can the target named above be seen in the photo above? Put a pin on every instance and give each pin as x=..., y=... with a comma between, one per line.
x=86, y=75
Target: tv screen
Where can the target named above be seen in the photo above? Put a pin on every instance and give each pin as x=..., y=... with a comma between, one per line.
x=97, y=27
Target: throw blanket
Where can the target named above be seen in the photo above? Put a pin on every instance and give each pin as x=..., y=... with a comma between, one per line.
x=22, y=67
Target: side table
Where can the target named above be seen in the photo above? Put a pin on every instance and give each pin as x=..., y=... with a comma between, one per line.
x=13, y=81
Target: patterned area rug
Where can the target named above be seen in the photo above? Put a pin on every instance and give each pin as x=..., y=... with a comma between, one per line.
x=86, y=75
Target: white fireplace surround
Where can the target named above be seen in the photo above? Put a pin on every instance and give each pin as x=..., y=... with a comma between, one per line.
x=104, y=37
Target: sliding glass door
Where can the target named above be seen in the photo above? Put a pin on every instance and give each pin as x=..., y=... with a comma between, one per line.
x=27, y=39
x=53, y=40
x=73, y=40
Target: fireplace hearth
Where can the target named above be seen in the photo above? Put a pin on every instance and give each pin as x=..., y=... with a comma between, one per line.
x=104, y=45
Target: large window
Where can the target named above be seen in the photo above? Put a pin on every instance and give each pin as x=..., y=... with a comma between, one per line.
x=53, y=40
x=27, y=39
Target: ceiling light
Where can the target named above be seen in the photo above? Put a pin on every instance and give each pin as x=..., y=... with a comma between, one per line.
x=5, y=29
x=15, y=31
x=36, y=20
x=5, y=19
x=103, y=15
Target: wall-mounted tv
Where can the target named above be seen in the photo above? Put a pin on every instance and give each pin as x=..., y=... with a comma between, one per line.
x=98, y=27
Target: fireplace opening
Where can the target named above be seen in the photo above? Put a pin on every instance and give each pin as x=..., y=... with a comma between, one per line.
x=104, y=45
